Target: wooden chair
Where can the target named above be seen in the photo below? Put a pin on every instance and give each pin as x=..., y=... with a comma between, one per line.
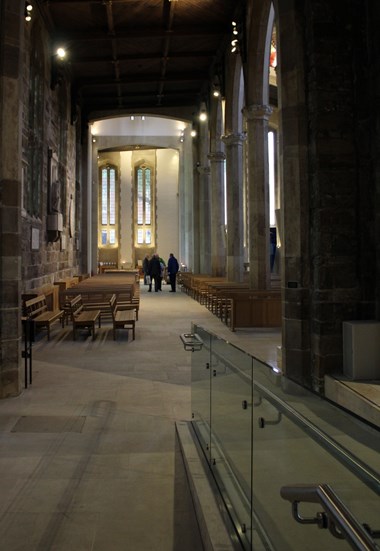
x=122, y=319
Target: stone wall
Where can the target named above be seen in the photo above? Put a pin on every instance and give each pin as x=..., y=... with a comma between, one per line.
x=56, y=256
x=341, y=179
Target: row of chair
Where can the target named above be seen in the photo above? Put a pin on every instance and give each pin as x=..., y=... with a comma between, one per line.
x=74, y=309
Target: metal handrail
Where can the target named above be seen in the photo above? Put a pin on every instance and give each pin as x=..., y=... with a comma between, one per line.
x=191, y=341
x=354, y=464
x=336, y=517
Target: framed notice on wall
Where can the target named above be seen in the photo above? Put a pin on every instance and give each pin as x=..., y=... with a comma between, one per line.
x=35, y=239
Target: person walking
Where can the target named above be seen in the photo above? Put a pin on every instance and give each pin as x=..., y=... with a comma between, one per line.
x=145, y=268
x=155, y=272
x=173, y=268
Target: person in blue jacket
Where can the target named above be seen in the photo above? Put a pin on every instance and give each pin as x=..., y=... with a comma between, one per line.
x=173, y=268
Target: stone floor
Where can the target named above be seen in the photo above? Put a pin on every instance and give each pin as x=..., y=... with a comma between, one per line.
x=88, y=454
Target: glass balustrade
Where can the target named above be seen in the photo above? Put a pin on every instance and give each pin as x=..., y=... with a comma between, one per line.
x=261, y=432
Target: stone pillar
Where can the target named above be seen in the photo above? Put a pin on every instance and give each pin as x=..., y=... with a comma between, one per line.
x=235, y=201
x=93, y=202
x=204, y=220
x=11, y=95
x=186, y=201
x=258, y=195
x=218, y=239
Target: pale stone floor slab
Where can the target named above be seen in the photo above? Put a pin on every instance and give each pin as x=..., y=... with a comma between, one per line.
x=115, y=479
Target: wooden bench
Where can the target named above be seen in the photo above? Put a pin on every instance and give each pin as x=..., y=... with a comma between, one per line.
x=98, y=298
x=82, y=318
x=37, y=310
x=254, y=308
x=122, y=319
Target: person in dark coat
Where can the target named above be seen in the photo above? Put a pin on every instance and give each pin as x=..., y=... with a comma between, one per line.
x=145, y=268
x=155, y=272
x=173, y=268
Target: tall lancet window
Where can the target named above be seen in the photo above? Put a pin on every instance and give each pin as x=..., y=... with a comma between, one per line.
x=108, y=223
x=144, y=207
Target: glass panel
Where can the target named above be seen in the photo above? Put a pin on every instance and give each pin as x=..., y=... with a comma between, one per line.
x=104, y=197
x=140, y=199
x=200, y=389
x=112, y=237
x=284, y=454
x=140, y=236
x=104, y=237
x=272, y=434
x=231, y=420
x=148, y=237
x=147, y=197
x=112, y=196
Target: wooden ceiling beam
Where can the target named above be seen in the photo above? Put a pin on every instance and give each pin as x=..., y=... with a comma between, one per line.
x=143, y=57
x=145, y=32
x=136, y=79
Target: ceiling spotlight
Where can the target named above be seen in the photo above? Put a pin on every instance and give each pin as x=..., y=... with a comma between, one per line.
x=203, y=116
x=28, y=9
x=193, y=133
x=61, y=53
x=234, y=42
x=234, y=45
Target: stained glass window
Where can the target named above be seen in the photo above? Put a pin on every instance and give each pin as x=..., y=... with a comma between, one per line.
x=104, y=197
x=140, y=197
x=112, y=185
x=108, y=206
x=148, y=209
x=144, y=206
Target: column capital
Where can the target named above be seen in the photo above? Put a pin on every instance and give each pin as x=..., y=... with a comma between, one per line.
x=216, y=157
x=234, y=139
x=257, y=112
x=203, y=170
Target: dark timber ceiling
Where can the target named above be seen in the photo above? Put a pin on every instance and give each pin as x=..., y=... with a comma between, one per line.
x=152, y=56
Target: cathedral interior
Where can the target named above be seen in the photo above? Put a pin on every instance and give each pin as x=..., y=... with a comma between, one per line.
x=244, y=138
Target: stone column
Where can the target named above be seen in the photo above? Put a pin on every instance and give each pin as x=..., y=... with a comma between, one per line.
x=218, y=239
x=235, y=201
x=204, y=220
x=93, y=198
x=258, y=195
x=11, y=98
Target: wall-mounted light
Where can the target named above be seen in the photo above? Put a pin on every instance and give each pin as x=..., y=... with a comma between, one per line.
x=28, y=10
x=193, y=133
x=181, y=135
x=203, y=116
x=57, y=66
